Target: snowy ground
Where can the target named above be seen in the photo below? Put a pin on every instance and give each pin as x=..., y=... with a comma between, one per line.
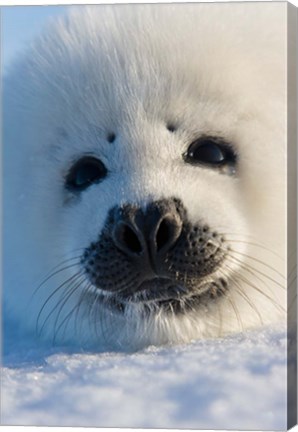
x=235, y=383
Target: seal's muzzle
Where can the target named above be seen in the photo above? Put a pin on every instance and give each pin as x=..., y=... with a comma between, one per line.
x=153, y=254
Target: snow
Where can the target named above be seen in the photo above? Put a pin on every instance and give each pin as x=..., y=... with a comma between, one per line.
x=234, y=383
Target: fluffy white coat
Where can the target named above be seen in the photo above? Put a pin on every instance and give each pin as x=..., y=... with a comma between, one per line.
x=216, y=69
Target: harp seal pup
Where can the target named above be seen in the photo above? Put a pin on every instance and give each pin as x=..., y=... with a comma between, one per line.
x=144, y=175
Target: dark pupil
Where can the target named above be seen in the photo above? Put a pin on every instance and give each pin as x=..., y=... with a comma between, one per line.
x=86, y=174
x=208, y=152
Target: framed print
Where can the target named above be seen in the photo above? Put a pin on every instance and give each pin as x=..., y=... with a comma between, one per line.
x=149, y=215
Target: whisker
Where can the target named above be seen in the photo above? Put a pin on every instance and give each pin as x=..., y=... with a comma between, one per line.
x=51, y=275
x=236, y=311
x=62, y=262
x=93, y=308
x=68, y=281
x=246, y=298
x=272, y=300
x=62, y=305
x=245, y=266
x=68, y=290
x=100, y=319
x=75, y=310
x=220, y=319
x=257, y=245
x=258, y=261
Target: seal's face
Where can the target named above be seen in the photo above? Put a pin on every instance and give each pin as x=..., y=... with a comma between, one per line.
x=155, y=255
x=148, y=176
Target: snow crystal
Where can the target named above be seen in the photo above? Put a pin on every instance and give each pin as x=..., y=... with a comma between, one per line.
x=234, y=383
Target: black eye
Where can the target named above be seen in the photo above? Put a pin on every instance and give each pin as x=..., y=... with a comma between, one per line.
x=211, y=151
x=85, y=172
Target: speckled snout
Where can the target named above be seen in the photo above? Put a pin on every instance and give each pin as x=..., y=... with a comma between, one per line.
x=155, y=250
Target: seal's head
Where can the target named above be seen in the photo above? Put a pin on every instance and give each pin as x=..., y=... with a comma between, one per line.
x=144, y=163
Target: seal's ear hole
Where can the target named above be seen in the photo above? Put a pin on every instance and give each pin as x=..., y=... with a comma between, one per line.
x=171, y=127
x=111, y=137
x=85, y=172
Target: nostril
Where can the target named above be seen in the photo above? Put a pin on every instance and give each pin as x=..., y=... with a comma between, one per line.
x=127, y=239
x=131, y=240
x=167, y=233
x=163, y=234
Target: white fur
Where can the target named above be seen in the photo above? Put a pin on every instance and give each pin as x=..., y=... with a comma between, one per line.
x=210, y=68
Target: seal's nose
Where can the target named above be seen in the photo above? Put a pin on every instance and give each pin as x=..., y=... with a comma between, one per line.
x=149, y=233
